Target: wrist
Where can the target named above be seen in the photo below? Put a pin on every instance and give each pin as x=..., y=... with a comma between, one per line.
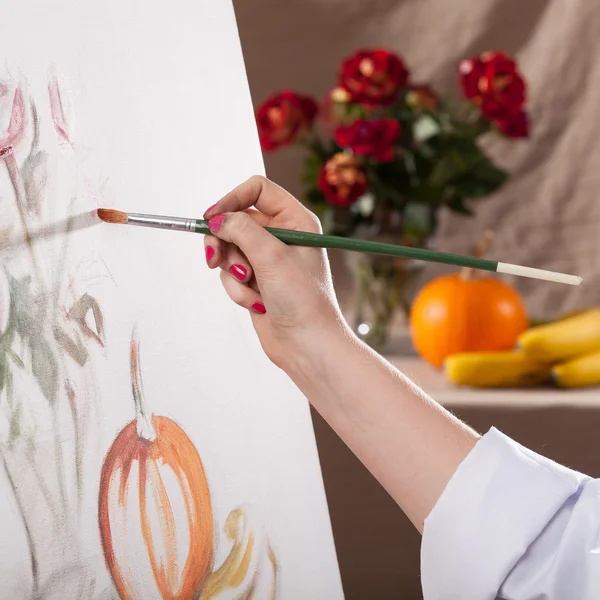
x=318, y=356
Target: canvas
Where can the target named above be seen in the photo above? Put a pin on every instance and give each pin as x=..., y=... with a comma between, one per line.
x=148, y=449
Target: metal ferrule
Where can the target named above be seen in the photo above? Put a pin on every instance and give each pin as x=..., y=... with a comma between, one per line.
x=175, y=223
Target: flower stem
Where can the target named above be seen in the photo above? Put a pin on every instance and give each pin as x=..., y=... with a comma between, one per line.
x=15, y=177
x=32, y=556
x=145, y=427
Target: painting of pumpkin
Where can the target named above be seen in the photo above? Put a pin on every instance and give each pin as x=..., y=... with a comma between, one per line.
x=155, y=513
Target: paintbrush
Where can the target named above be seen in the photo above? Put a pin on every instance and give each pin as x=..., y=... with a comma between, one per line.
x=317, y=240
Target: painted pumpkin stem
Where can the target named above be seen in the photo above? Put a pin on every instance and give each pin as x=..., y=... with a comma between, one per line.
x=479, y=251
x=143, y=418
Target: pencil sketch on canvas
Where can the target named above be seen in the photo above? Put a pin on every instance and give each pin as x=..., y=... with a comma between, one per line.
x=154, y=513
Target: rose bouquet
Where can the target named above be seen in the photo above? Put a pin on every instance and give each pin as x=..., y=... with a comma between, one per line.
x=386, y=154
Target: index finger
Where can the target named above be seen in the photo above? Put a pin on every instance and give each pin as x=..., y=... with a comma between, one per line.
x=257, y=191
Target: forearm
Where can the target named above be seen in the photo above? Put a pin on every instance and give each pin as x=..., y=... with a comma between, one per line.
x=408, y=442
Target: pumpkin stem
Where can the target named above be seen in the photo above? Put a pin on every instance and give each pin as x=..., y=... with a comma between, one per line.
x=145, y=428
x=479, y=251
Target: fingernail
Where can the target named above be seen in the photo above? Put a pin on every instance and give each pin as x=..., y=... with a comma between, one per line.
x=238, y=272
x=259, y=308
x=216, y=222
x=209, y=253
x=209, y=209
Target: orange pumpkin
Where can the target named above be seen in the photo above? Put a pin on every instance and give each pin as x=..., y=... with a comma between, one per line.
x=464, y=313
x=155, y=513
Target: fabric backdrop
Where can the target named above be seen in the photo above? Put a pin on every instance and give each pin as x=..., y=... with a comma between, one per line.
x=548, y=216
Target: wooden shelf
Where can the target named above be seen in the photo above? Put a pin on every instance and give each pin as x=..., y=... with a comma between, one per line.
x=435, y=384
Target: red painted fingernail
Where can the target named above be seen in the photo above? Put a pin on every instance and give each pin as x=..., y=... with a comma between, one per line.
x=216, y=222
x=238, y=272
x=209, y=209
x=259, y=308
x=209, y=253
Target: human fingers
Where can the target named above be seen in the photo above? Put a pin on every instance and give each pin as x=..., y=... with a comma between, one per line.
x=257, y=191
x=243, y=295
x=262, y=249
x=213, y=251
x=236, y=264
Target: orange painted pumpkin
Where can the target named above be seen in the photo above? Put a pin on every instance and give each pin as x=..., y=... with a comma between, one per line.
x=465, y=313
x=155, y=513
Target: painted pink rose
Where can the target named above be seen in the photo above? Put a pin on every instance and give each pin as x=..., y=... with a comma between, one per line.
x=60, y=109
x=13, y=119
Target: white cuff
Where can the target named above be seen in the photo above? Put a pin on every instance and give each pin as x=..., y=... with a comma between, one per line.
x=498, y=501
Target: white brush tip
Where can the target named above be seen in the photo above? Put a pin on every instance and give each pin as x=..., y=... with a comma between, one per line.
x=532, y=273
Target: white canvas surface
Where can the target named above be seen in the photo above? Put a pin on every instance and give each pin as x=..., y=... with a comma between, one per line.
x=143, y=107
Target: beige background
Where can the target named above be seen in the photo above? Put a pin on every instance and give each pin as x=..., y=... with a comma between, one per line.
x=549, y=215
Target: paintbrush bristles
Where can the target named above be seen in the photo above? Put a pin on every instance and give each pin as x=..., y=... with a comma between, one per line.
x=109, y=215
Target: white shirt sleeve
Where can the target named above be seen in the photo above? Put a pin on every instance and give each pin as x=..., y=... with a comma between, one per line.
x=513, y=525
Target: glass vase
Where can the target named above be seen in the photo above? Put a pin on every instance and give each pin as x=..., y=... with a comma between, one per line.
x=384, y=287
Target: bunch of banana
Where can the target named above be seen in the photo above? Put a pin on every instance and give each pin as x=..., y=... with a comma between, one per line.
x=571, y=346
x=567, y=351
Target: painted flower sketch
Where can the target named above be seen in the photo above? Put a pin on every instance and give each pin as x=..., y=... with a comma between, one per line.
x=153, y=526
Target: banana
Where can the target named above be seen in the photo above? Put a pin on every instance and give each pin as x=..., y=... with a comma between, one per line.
x=581, y=371
x=560, y=341
x=494, y=369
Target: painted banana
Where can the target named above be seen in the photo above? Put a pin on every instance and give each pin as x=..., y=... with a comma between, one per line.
x=581, y=371
x=494, y=369
x=560, y=341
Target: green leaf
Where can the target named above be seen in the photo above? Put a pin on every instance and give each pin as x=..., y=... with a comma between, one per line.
x=88, y=305
x=23, y=311
x=72, y=345
x=457, y=204
x=447, y=168
x=10, y=353
x=466, y=168
x=470, y=187
x=15, y=423
x=3, y=372
x=429, y=194
x=312, y=166
x=466, y=152
x=417, y=218
x=486, y=172
x=14, y=426
x=320, y=151
x=314, y=198
x=44, y=367
x=484, y=179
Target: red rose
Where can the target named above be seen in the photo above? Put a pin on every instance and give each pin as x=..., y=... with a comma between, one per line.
x=373, y=77
x=342, y=180
x=370, y=138
x=514, y=124
x=422, y=97
x=283, y=117
x=470, y=71
x=493, y=82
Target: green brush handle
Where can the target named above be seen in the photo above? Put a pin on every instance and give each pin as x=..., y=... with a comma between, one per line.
x=317, y=240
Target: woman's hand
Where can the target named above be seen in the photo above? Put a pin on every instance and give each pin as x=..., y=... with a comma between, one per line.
x=408, y=442
x=288, y=290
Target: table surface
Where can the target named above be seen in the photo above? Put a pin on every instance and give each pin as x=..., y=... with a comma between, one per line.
x=440, y=389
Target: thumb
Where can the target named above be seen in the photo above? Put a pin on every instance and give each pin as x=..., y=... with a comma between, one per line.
x=261, y=248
